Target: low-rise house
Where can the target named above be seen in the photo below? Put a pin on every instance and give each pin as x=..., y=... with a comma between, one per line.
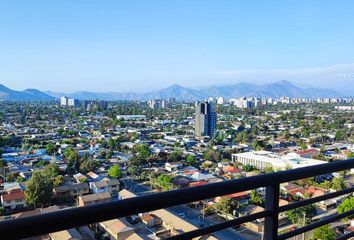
x=257, y=225
x=70, y=234
x=106, y=185
x=118, y=230
x=308, y=153
x=9, y=186
x=25, y=174
x=327, y=204
x=350, y=228
x=91, y=176
x=15, y=199
x=171, y=167
x=71, y=190
x=79, y=178
x=197, y=183
x=113, y=186
x=95, y=198
x=198, y=176
x=315, y=192
x=99, y=187
x=240, y=197
x=171, y=224
x=150, y=220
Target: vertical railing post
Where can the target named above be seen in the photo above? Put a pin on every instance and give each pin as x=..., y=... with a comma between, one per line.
x=272, y=204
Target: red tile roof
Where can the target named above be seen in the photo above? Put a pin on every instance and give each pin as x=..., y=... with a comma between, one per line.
x=16, y=195
x=307, y=151
x=194, y=184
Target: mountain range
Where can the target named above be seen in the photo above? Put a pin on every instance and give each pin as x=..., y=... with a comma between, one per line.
x=275, y=90
x=26, y=95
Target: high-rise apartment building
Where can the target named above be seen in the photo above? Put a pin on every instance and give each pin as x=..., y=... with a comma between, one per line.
x=157, y=103
x=72, y=102
x=68, y=102
x=205, y=120
x=64, y=101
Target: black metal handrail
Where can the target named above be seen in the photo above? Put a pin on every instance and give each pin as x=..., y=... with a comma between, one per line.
x=69, y=218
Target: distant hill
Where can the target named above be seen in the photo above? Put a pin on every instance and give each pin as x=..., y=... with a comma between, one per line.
x=275, y=90
x=26, y=95
x=176, y=91
x=285, y=88
x=230, y=91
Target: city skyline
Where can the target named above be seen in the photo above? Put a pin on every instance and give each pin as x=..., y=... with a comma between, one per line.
x=121, y=47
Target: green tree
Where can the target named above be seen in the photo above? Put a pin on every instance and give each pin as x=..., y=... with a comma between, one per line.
x=225, y=206
x=302, y=215
x=269, y=170
x=114, y=172
x=3, y=163
x=87, y=165
x=191, y=161
x=324, y=233
x=350, y=155
x=164, y=182
x=38, y=190
x=257, y=145
x=112, y=144
x=58, y=181
x=256, y=198
x=134, y=170
x=11, y=177
x=142, y=150
x=20, y=179
x=340, y=135
x=247, y=168
x=51, y=148
x=346, y=205
x=72, y=158
x=338, y=184
x=51, y=171
x=211, y=155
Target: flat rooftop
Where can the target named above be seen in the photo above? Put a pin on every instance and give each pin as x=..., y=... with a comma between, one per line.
x=280, y=161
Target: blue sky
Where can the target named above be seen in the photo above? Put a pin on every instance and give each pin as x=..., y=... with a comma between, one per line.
x=106, y=45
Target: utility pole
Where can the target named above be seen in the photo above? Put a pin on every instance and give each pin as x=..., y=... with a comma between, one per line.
x=303, y=224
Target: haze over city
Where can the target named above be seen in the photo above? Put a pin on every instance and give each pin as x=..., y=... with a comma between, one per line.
x=123, y=46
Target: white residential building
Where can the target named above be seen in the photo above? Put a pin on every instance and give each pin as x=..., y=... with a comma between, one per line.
x=265, y=159
x=64, y=101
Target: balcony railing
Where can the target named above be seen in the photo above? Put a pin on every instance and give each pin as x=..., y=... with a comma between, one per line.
x=70, y=218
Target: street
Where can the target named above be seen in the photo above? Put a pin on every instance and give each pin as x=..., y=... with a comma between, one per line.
x=192, y=216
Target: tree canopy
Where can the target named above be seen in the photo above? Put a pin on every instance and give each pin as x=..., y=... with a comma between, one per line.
x=114, y=172
x=324, y=233
x=302, y=215
x=346, y=205
x=38, y=190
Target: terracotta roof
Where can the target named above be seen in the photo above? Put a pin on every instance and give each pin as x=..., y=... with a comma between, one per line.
x=237, y=195
x=235, y=171
x=307, y=151
x=189, y=172
x=228, y=168
x=314, y=192
x=18, y=195
x=199, y=183
x=147, y=218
